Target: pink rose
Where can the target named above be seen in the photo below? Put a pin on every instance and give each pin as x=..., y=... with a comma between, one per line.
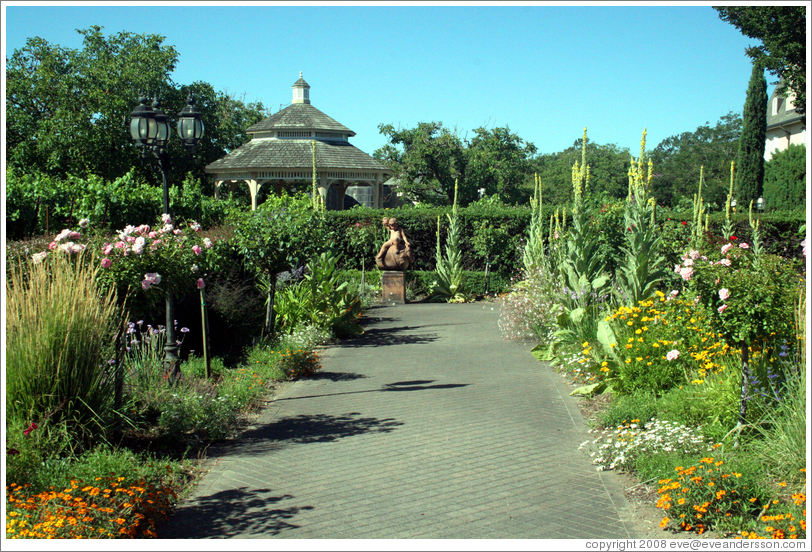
x=197, y=250
x=724, y=293
x=672, y=354
x=744, y=245
x=106, y=263
x=108, y=248
x=726, y=247
x=686, y=273
x=722, y=309
x=200, y=283
x=725, y=262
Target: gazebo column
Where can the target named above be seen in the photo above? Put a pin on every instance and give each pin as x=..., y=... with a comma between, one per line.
x=254, y=187
x=341, y=188
x=377, y=194
x=217, y=184
x=322, y=186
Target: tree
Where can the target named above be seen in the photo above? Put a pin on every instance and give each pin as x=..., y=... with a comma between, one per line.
x=225, y=118
x=282, y=233
x=427, y=160
x=750, y=160
x=678, y=159
x=782, y=30
x=785, y=179
x=68, y=110
x=608, y=167
x=498, y=162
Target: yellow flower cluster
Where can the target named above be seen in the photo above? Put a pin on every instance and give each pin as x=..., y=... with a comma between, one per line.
x=660, y=324
x=103, y=509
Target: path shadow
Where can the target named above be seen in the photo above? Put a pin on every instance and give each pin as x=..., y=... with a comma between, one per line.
x=306, y=428
x=235, y=512
x=335, y=376
x=418, y=385
x=385, y=337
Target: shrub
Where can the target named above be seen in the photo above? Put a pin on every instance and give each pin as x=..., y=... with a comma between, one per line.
x=785, y=179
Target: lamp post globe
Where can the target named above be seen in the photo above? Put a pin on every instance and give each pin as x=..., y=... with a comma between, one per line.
x=760, y=204
x=142, y=124
x=190, y=124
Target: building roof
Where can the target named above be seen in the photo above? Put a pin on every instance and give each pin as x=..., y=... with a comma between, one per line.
x=300, y=116
x=288, y=154
x=782, y=117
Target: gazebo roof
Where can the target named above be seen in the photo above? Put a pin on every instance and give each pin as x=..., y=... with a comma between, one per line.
x=300, y=116
x=279, y=154
x=284, y=141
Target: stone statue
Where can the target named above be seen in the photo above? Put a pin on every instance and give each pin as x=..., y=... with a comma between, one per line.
x=396, y=253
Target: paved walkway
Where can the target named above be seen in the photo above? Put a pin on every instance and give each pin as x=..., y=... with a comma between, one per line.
x=427, y=426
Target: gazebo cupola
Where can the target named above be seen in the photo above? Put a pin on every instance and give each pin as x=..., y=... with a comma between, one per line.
x=301, y=91
x=281, y=151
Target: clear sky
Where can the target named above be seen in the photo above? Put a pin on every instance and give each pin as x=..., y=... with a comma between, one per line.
x=544, y=70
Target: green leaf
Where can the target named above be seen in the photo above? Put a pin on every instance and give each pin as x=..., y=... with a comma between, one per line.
x=590, y=390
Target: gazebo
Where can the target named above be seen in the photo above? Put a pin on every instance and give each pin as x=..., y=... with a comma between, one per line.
x=280, y=152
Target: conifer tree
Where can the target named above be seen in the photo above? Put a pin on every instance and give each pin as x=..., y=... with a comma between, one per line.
x=750, y=160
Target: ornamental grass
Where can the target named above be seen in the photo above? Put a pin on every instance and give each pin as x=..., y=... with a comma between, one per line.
x=59, y=345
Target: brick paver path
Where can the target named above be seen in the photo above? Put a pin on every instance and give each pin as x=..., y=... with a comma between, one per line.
x=427, y=426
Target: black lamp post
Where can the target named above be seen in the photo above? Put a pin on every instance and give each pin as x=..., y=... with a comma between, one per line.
x=150, y=130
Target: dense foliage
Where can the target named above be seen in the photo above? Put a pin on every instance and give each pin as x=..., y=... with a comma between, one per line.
x=785, y=179
x=782, y=32
x=750, y=159
x=68, y=111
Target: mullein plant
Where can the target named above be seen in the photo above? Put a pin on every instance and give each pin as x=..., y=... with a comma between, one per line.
x=449, y=285
x=699, y=221
x=318, y=201
x=580, y=271
x=727, y=227
x=533, y=257
x=643, y=266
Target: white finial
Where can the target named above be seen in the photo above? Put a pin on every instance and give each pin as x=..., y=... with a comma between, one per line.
x=300, y=74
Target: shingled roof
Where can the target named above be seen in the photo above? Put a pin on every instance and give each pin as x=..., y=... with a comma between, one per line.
x=299, y=117
x=278, y=154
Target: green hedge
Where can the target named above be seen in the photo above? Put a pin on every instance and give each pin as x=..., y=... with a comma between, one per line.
x=39, y=204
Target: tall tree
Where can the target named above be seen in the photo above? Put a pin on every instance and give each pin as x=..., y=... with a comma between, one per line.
x=608, y=167
x=749, y=181
x=498, y=162
x=782, y=30
x=67, y=111
x=427, y=160
x=678, y=159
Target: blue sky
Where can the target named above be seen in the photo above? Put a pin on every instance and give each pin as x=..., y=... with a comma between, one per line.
x=545, y=71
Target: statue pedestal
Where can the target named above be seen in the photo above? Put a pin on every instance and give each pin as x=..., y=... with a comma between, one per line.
x=394, y=286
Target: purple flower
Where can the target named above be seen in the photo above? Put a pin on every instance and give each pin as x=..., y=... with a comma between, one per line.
x=106, y=263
